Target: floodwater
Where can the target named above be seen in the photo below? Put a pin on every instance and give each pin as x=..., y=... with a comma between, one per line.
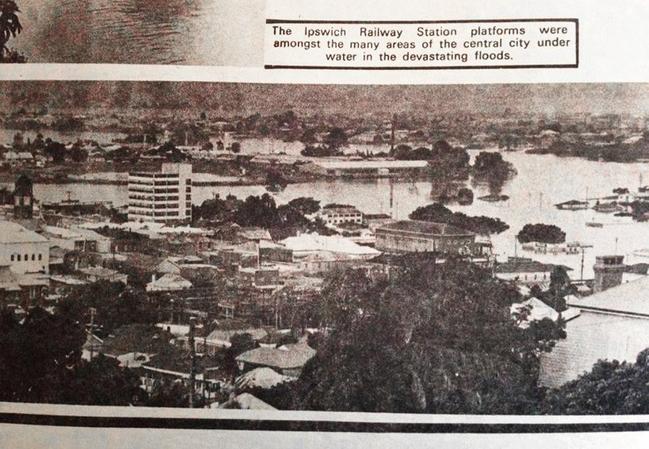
x=189, y=32
x=104, y=138
x=541, y=182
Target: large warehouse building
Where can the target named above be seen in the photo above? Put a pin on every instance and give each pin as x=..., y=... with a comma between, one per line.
x=423, y=236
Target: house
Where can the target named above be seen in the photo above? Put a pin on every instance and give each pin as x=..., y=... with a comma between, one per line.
x=62, y=285
x=191, y=268
x=245, y=255
x=94, y=274
x=254, y=234
x=92, y=241
x=26, y=289
x=168, y=283
x=175, y=264
x=174, y=364
x=525, y=271
x=264, y=378
x=78, y=239
x=135, y=338
x=220, y=338
x=335, y=214
x=259, y=277
x=288, y=359
x=613, y=324
x=273, y=252
x=14, y=158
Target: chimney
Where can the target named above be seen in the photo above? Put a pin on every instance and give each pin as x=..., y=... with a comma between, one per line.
x=608, y=272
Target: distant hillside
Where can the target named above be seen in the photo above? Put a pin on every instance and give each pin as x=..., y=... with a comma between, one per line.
x=231, y=98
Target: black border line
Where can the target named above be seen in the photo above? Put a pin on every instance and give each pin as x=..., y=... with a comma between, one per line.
x=423, y=22
x=313, y=426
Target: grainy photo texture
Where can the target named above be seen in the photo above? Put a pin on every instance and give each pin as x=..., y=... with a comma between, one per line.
x=425, y=249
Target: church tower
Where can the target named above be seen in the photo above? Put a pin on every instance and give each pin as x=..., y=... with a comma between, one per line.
x=24, y=197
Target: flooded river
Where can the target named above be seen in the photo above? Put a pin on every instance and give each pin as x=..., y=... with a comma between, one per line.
x=541, y=182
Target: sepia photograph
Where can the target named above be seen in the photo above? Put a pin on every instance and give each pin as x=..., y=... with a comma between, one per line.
x=456, y=249
x=187, y=32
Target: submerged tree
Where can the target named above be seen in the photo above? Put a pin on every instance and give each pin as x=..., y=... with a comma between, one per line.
x=491, y=169
x=10, y=27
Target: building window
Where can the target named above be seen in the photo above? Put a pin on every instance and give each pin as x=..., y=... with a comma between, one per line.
x=40, y=257
x=26, y=257
x=18, y=257
x=12, y=257
x=33, y=256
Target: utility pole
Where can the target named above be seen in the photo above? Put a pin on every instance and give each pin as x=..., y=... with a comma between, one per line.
x=392, y=133
x=93, y=312
x=581, y=276
x=392, y=214
x=192, y=355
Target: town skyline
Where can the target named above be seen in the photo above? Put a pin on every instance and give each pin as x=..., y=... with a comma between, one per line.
x=294, y=259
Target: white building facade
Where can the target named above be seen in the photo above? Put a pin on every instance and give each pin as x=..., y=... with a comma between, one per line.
x=161, y=197
x=22, y=250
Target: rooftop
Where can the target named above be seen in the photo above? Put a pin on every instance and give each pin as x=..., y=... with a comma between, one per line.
x=246, y=401
x=136, y=338
x=15, y=233
x=169, y=281
x=369, y=164
x=99, y=271
x=537, y=311
x=178, y=360
x=425, y=227
x=260, y=377
x=631, y=298
x=334, y=244
x=286, y=357
x=224, y=335
x=377, y=216
x=522, y=265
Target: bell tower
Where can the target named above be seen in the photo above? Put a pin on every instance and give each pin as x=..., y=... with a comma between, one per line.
x=24, y=197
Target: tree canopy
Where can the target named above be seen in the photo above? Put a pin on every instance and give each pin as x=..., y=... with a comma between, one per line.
x=439, y=213
x=10, y=27
x=610, y=388
x=492, y=169
x=40, y=361
x=434, y=338
x=543, y=233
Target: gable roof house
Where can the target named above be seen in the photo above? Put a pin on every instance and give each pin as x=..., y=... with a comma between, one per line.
x=287, y=360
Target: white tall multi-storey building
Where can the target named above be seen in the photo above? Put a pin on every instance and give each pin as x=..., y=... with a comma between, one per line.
x=161, y=197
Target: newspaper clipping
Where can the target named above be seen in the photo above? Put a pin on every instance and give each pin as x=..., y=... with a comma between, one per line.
x=298, y=224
